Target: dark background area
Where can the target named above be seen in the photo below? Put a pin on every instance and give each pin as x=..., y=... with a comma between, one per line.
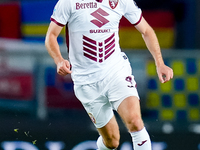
x=39, y=107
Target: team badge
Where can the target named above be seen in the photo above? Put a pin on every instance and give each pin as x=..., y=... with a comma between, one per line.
x=92, y=118
x=113, y=3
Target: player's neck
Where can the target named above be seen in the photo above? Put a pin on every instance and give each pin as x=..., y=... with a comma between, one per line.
x=99, y=1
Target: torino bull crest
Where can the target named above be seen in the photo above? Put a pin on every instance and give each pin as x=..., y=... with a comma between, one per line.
x=113, y=3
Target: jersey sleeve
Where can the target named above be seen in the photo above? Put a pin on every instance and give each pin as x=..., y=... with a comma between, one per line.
x=132, y=12
x=61, y=12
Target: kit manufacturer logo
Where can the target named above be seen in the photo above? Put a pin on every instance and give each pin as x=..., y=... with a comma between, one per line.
x=98, y=51
x=142, y=143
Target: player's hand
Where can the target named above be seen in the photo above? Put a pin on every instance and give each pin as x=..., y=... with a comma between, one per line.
x=165, y=73
x=63, y=68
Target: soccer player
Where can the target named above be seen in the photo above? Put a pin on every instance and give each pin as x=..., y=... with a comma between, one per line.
x=101, y=73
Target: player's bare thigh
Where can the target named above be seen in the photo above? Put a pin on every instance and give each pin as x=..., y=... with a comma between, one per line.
x=110, y=133
x=130, y=112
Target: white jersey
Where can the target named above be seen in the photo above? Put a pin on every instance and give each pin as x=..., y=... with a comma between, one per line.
x=93, y=26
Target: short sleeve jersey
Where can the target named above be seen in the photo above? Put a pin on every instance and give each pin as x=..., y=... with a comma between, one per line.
x=93, y=25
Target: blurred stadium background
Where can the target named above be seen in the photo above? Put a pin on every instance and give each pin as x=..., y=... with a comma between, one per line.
x=38, y=109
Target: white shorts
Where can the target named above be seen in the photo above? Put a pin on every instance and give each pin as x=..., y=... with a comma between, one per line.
x=100, y=98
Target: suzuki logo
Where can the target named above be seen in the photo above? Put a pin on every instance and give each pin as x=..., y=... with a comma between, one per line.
x=99, y=15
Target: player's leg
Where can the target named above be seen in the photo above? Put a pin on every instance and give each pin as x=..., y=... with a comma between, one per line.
x=129, y=110
x=101, y=113
x=109, y=136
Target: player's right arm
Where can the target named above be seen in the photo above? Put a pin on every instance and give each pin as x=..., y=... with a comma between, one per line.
x=51, y=43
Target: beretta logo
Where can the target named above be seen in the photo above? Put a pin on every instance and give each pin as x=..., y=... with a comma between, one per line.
x=113, y=3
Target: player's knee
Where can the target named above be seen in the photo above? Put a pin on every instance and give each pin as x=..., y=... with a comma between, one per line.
x=135, y=124
x=112, y=143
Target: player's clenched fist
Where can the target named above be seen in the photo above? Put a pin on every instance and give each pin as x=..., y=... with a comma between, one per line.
x=165, y=73
x=63, y=68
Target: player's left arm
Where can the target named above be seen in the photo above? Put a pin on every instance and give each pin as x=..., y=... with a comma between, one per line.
x=164, y=72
